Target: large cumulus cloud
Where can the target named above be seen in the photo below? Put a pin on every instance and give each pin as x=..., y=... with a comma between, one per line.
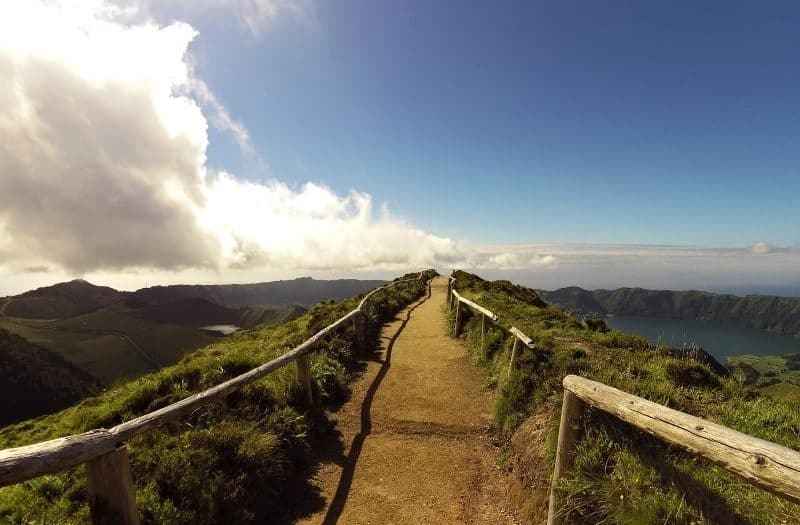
x=101, y=158
x=103, y=162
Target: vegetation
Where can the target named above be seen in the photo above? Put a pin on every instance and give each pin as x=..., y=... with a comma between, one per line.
x=304, y=291
x=35, y=381
x=229, y=462
x=622, y=475
x=777, y=376
x=109, y=344
x=777, y=314
x=115, y=336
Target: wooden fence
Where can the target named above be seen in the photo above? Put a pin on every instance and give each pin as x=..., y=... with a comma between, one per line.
x=765, y=464
x=111, y=493
x=454, y=297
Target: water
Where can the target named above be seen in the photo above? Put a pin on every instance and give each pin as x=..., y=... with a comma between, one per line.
x=224, y=329
x=721, y=339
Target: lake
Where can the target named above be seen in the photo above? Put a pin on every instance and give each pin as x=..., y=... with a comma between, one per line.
x=224, y=329
x=721, y=339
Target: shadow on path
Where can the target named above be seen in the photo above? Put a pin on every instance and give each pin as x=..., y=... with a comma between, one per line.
x=349, y=468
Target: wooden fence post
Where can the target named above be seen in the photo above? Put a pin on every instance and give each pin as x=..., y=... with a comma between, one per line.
x=513, y=356
x=457, y=323
x=304, y=378
x=483, y=331
x=571, y=411
x=449, y=295
x=360, y=330
x=112, y=499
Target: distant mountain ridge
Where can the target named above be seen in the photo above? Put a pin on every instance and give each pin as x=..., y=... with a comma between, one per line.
x=109, y=335
x=304, y=291
x=78, y=297
x=766, y=312
x=61, y=300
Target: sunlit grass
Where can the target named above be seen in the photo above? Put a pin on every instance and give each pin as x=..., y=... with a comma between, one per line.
x=623, y=475
x=228, y=462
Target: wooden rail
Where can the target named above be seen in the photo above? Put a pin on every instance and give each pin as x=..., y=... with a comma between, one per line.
x=454, y=296
x=111, y=493
x=767, y=465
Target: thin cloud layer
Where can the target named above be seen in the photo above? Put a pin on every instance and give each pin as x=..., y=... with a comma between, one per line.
x=740, y=270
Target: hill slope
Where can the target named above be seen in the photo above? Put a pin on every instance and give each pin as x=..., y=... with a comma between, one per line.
x=621, y=475
x=61, y=300
x=113, y=335
x=304, y=291
x=778, y=314
x=34, y=381
x=228, y=462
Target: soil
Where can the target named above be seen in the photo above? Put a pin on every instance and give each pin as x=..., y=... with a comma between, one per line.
x=415, y=444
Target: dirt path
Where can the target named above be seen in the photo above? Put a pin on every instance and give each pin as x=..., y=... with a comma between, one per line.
x=415, y=434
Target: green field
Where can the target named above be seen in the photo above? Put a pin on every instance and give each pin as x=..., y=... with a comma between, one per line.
x=777, y=376
x=111, y=345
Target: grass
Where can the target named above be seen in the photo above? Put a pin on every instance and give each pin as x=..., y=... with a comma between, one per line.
x=93, y=342
x=622, y=475
x=776, y=376
x=228, y=462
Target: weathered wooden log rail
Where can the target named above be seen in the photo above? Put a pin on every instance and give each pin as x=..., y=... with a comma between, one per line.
x=111, y=493
x=454, y=297
x=765, y=464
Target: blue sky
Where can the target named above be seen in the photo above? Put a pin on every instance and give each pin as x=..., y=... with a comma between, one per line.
x=624, y=122
x=599, y=144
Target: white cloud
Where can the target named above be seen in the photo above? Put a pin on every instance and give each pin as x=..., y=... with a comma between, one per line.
x=220, y=117
x=312, y=228
x=103, y=172
x=103, y=161
x=254, y=15
x=761, y=248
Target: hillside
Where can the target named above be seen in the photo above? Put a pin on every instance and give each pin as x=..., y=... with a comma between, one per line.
x=235, y=461
x=111, y=344
x=775, y=375
x=620, y=475
x=34, y=381
x=777, y=314
x=79, y=297
x=197, y=312
x=113, y=335
x=61, y=300
x=304, y=291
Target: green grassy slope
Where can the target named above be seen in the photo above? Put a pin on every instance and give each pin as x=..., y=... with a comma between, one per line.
x=110, y=344
x=34, y=381
x=304, y=291
x=229, y=462
x=777, y=376
x=116, y=336
x=621, y=475
x=61, y=300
